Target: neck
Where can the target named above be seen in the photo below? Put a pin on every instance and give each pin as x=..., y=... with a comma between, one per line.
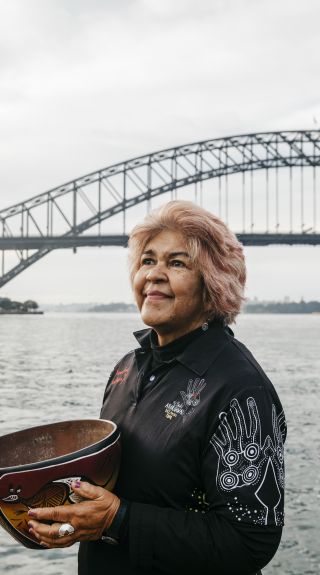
x=166, y=338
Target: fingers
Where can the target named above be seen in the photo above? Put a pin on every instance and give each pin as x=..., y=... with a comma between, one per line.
x=221, y=445
x=218, y=445
x=59, y=514
x=89, y=518
x=255, y=425
x=87, y=490
x=240, y=422
x=201, y=385
x=184, y=396
x=227, y=432
x=48, y=536
x=65, y=513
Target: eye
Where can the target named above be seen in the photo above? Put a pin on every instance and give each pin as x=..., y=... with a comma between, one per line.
x=177, y=264
x=147, y=261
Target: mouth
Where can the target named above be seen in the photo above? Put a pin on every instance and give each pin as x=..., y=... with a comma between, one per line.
x=157, y=296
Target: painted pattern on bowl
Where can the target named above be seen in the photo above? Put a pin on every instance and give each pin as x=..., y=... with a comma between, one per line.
x=37, y=466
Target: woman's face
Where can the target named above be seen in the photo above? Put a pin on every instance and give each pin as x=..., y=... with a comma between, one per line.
x=168, y=288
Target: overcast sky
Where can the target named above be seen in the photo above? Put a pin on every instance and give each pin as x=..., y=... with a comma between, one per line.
x=86, y=83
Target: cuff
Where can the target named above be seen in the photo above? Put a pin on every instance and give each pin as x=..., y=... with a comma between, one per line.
x=117, y=529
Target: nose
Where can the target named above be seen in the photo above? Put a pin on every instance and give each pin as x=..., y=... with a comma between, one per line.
x=156, y=274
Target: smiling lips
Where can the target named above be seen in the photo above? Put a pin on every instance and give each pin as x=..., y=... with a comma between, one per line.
x=157, y=295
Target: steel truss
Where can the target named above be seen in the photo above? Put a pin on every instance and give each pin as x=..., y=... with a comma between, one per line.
x=59, y=217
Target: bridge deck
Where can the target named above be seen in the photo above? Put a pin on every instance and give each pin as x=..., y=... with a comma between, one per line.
x=64, y=242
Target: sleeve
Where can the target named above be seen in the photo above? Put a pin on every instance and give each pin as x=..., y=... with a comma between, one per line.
x=110, y=379
x=239, y=527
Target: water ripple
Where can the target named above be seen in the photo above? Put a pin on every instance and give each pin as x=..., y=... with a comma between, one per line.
x=55, y=367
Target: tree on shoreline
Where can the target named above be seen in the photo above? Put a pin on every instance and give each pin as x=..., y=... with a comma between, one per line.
x=8, y=305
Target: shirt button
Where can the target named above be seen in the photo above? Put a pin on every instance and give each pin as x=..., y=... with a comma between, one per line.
x=152, y=378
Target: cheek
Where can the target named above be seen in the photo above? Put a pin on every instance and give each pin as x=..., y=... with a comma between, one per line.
x=137, y=287
x=190, y=297
x=189, y=288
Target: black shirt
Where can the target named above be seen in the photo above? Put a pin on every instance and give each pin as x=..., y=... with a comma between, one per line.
x=202, y=463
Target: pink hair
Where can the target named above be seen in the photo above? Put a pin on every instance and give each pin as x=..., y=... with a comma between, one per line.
x=215, y=250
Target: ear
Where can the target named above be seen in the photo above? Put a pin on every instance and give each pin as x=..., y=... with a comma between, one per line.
x=207, y=305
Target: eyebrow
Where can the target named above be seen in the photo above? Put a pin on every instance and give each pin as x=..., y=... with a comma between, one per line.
x=171, y=254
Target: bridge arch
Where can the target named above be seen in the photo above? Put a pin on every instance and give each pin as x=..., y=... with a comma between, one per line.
x=32, y=225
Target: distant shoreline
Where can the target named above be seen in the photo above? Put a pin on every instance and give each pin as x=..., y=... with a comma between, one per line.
x=290, y=307
x=16, y=312
x=250, y=307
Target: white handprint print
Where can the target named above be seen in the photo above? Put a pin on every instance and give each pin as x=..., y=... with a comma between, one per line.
x=244, y=461
x=192, y=397
x=241, y=456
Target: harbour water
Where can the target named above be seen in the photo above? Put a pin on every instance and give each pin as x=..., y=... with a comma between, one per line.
x=54, y=367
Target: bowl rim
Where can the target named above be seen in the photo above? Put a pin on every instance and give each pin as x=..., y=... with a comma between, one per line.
x=68, y=457
x=86, y=456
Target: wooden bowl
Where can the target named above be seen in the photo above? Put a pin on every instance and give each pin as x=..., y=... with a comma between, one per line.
x=37, y=466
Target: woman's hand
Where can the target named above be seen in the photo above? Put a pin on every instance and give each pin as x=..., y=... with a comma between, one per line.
x=89, y=518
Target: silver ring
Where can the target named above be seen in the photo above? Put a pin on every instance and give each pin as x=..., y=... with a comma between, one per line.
x=65, y=529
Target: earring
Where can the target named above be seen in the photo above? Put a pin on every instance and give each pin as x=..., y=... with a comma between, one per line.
x=205, y=326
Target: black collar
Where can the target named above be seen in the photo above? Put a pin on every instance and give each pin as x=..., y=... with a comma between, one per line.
x=201, y=352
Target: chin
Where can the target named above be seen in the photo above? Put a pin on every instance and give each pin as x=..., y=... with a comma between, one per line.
x=150, y=320
x=149, y=314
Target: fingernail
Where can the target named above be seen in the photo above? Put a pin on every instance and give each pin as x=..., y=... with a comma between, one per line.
x=32, y=513
x=43, y=544
x=30, y=524
x=77, y=483
x=32, y=532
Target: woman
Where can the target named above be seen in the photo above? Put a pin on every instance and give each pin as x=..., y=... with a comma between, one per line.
x=202, y=478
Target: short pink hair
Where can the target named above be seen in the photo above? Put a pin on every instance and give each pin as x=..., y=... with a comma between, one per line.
x=214, y=249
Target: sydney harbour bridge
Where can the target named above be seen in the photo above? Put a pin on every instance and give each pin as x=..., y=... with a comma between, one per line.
x=263, y=185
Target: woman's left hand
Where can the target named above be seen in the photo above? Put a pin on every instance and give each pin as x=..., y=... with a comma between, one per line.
x=89, y=518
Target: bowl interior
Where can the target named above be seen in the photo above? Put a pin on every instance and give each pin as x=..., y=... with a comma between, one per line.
x=44, y=442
